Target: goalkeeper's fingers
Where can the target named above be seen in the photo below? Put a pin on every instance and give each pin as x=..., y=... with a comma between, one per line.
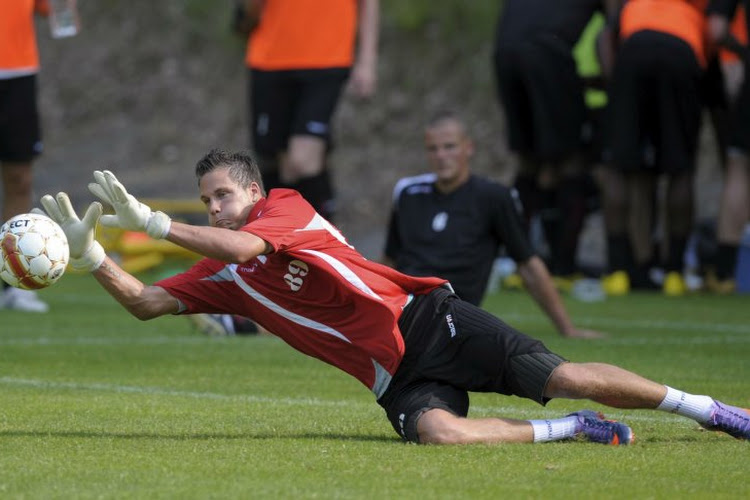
x=50, y=206
x=100, y=188
x=115, y=189
x=92, y=214
x=66, y=208
x=98, y=191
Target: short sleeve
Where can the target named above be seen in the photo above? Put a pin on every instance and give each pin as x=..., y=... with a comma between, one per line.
x=508, y=222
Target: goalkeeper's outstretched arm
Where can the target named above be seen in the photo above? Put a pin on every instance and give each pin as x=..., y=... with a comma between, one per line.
x=142, y=301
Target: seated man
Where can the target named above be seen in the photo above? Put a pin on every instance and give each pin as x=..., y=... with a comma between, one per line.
x=451, y=223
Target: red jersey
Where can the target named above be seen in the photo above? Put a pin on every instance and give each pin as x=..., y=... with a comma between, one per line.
x=315, y=291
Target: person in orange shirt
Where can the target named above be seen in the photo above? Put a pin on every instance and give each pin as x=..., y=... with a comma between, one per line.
x=300, y=54
x=20, y=134
x=655, y=116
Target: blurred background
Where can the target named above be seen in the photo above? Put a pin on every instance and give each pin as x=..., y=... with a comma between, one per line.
x=146, y=88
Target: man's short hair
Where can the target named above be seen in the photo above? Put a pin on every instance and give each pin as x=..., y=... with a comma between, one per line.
x=242, y=165
x=447, y=115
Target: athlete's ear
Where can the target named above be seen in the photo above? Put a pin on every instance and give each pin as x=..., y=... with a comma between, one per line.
x=255, y=192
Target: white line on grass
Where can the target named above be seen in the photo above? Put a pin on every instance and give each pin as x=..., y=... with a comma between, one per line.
x=53, y=341
x=158, y=391
x=636, y=324
x=514, y=412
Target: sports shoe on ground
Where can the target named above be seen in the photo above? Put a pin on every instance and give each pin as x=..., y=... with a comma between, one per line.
x=512, y=282
x=218, y=325
x=674, y=285
x=616, y=284
x=730, y=419
x=566, y=282
x=212, y=324
x=22, y=300
x=594, y=427
x=718, y=286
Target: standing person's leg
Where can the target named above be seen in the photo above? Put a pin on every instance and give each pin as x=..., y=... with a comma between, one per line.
x=17, y=183
x=679, y=83
x=629, y=110
x=734, y=215
x=572, y=201
x=680, y=223
x=20, y=142
x=558, y=114
x=615, y=208
x=734, y=212
x=514, y=100
x=271, y=99
x=304, y=165
x=641, y=196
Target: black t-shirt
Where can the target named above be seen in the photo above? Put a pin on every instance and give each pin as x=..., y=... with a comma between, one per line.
x=524, y=20
x=455, y=236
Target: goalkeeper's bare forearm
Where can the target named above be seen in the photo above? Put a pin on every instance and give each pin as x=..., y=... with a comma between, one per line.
x=142, y=301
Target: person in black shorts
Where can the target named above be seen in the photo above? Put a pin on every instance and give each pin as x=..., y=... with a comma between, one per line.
x=300, y=57
x=20, y=130
x=451, y=223
x=542, y=97
x=734, y=211
x=655, y=112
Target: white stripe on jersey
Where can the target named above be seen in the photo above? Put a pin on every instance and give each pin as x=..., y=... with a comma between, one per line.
x=345, y=272
x=295, y=318
x=405, y=182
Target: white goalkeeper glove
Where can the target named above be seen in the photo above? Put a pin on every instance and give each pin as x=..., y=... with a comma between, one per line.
x=131, y=214
x=86, y=254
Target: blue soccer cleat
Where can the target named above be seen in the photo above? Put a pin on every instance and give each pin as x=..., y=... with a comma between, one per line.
x=594, y=427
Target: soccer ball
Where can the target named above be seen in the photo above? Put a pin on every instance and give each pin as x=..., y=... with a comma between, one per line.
x=34, y=251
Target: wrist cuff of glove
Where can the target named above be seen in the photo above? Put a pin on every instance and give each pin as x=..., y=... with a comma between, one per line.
x=158, y=225
x=91, y=259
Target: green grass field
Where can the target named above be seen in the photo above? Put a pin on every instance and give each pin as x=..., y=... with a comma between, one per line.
x=95, y=404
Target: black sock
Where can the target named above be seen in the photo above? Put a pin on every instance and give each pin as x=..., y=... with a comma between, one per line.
x=269, y=169
x=619, y=253
x=676, y=256
x=726, y=261
x=571, y=200
x=550, y=216
x=318, y=191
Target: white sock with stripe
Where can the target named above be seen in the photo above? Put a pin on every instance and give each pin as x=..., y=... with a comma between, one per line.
x=688, y=405
x=554, y=430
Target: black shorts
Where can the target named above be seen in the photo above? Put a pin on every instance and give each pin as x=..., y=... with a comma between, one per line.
x=20, y=134
x=453, y=347
x=654, y=111
x=542, y=98
x=739, y=121
x=292, y=102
